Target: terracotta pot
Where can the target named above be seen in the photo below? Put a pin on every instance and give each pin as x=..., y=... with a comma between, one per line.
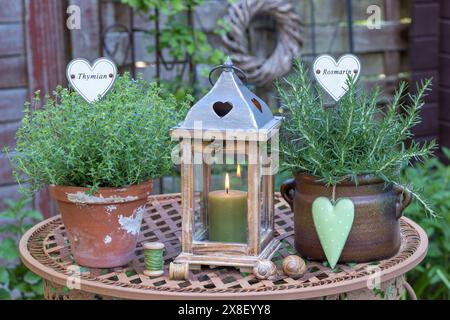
x=102, y=228
x=375, y=233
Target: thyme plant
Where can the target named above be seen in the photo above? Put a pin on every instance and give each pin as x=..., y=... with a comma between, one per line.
x=121, y=140
x=351, y=138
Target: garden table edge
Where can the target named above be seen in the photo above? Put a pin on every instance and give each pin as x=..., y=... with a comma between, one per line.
x=92, y=286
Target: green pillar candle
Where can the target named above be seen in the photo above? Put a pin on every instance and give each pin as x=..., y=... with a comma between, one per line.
x=227, y=214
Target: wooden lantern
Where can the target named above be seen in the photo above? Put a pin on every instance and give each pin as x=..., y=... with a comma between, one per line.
x=221, y=226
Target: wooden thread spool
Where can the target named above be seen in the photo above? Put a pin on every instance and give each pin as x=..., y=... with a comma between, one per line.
x=264, y=269
x=294, y=266
x=154, y=259
x=178, y=271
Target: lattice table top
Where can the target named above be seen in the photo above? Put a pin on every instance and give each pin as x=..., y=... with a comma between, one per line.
x=46, y=251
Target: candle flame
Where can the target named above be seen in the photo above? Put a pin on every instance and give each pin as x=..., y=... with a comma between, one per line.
x=227, y=182
x=238, y=171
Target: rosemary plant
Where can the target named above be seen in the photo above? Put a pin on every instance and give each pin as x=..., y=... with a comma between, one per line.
x=121, y=140
x=353, y=137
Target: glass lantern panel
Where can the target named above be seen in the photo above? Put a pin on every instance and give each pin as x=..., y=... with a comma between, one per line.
x=266, y=189
x=265, y=200
x=200, y=189
x=221, y=189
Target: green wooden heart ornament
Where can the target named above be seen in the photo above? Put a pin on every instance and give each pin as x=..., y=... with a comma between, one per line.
x=333, y=224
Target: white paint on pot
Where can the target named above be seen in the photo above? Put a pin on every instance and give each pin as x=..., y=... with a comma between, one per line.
x=110, y=208
x=82, y=197
x=132, y=224
x=107, y=239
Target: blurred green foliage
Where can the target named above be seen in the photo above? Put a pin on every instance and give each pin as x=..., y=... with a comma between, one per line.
x=179, y=41
x=16, y=281
x=431, y=279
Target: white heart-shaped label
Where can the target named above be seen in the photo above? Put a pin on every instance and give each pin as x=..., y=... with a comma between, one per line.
x=91, y=82
x=332, y=75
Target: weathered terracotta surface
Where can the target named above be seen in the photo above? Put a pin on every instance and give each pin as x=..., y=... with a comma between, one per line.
x=103, y=228
x=375, y=233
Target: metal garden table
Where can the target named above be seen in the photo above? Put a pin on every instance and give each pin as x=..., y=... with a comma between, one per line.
x=45, y=250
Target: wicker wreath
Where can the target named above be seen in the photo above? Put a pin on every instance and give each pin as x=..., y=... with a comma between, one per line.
x=261, y=71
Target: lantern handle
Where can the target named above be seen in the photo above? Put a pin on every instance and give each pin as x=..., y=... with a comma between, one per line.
x=227, y=66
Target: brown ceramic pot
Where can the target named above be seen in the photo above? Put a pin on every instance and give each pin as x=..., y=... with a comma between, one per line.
x=102, y=228
x=375, y=233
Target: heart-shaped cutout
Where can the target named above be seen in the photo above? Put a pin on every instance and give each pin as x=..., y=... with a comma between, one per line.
x=91, y=82
x=332, y=75
x=333, y=224
x=222, y=108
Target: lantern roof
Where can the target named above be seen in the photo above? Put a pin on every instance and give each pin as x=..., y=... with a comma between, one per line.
x=229, y=105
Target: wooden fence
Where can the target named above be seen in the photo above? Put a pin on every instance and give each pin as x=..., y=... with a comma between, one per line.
x=13, y=85
x=383, y=52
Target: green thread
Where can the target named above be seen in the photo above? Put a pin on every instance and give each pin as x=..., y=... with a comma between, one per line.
x=154, y=259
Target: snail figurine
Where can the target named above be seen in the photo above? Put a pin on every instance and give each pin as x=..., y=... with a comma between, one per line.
x=264, y=269
x=294, y=266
